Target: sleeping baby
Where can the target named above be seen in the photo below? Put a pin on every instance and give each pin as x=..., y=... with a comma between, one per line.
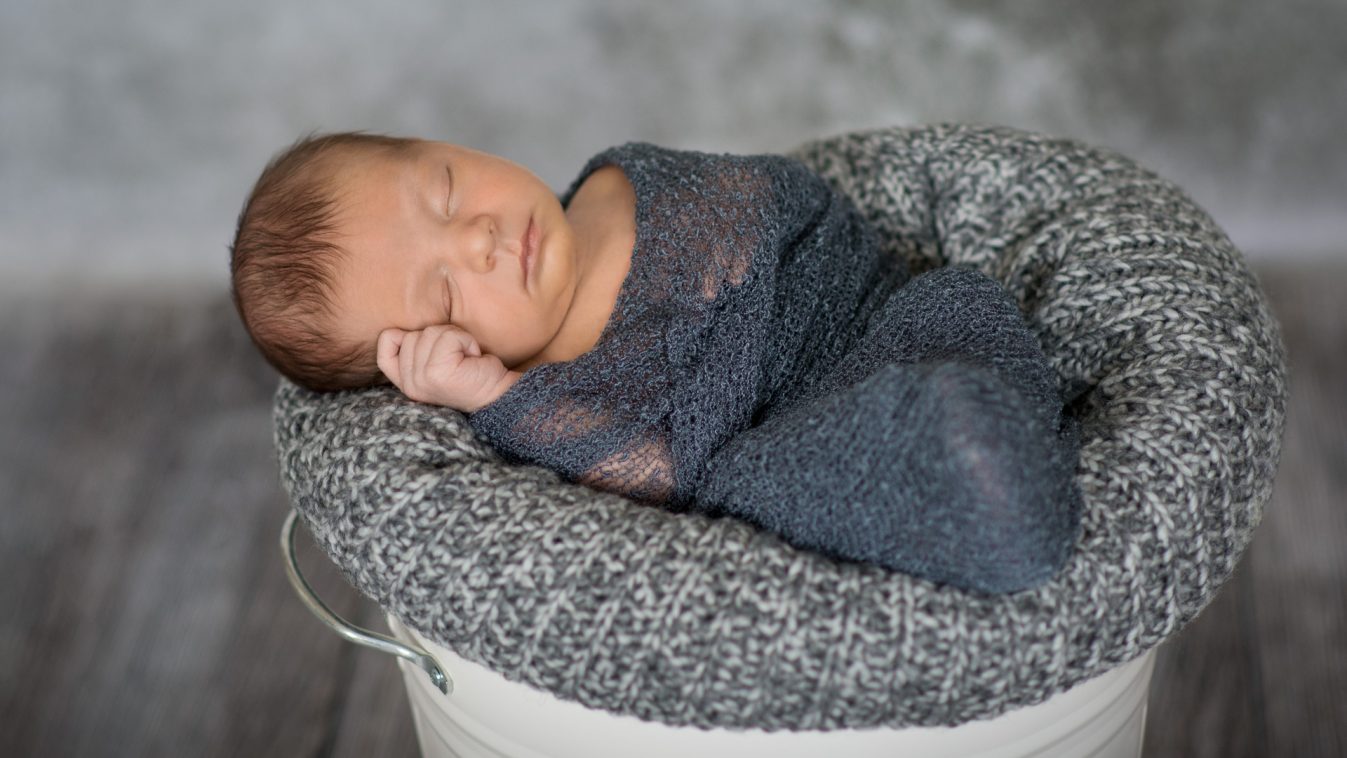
x=714, y=333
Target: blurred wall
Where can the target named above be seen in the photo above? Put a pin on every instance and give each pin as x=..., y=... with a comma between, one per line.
x=130, y=131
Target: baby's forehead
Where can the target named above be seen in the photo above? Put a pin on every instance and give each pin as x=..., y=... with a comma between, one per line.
x=350, y=162
x=351, y=177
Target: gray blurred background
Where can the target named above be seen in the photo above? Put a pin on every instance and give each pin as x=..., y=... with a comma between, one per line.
x=144, y=608
x=130, y=131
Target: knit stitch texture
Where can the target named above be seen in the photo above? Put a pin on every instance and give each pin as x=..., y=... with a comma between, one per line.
x=762, y=361
x=1159, y=336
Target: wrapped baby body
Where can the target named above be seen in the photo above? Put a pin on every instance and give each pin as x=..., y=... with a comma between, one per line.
x=765, y=361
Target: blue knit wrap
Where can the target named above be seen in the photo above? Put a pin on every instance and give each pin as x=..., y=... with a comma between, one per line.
x=765, y=361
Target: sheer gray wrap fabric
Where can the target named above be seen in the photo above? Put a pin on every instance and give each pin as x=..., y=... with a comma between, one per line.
x=1157, y=331
x=749, y=275
x=765, y=361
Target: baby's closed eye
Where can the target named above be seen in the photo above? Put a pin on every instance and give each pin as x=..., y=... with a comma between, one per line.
x=448, y=300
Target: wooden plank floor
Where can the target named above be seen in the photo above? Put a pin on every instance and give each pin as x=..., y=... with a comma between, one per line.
x=144, y=610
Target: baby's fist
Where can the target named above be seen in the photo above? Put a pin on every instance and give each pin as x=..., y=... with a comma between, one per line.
x=443, y=365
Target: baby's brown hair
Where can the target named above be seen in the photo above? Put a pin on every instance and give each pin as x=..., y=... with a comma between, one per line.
x=283, y=257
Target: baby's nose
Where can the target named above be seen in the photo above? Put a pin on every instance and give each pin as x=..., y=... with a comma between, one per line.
x=477, y=243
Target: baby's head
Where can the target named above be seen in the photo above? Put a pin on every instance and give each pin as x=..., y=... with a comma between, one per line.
x=285, y=257
x=345, y=235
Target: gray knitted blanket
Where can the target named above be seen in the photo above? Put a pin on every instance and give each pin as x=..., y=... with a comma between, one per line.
x=1147, y=314
x=762, y=362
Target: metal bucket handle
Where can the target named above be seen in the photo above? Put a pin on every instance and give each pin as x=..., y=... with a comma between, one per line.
x=350, y=631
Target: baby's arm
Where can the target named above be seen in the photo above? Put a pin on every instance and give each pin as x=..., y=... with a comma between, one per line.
x=643, y=470
x=443, y=365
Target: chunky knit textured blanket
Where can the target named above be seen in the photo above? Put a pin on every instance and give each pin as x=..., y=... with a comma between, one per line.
x=1147, y=313
x=762, y=362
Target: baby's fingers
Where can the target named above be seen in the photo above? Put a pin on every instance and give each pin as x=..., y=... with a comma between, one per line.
x=437, y=345
x=445, y=346
x=389, y=345
x=407, y=364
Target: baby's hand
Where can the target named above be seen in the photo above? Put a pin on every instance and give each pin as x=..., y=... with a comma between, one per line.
x=443, y=365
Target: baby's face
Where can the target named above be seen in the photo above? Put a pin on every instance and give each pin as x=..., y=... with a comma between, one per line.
x=439, y=237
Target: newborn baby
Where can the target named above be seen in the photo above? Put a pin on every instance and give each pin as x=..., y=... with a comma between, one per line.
x=715, y=333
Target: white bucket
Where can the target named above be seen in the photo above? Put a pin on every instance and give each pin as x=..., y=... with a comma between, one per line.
x=488, y=716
